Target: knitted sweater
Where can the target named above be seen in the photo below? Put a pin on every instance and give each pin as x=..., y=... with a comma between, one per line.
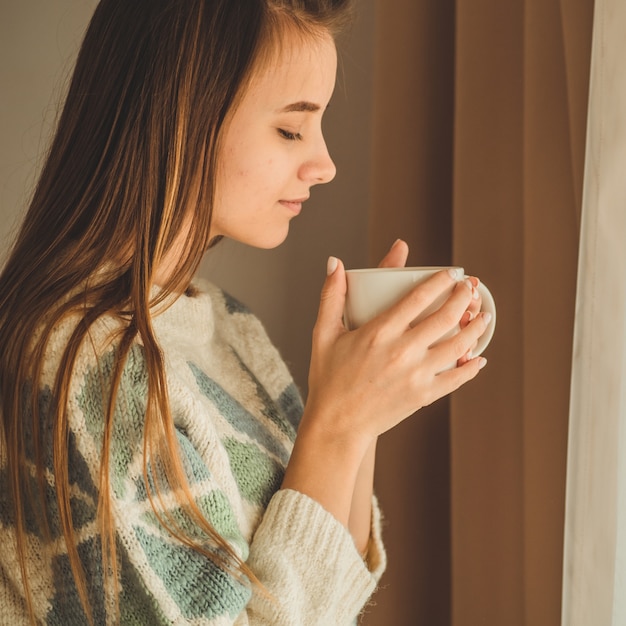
x=236, y=411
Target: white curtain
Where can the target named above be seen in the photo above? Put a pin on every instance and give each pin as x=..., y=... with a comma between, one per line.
x=594, y=576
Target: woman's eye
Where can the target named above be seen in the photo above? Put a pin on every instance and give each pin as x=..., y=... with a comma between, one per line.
x=285, y=134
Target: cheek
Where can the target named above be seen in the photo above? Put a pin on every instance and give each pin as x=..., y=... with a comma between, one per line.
x=254, y=176
x=239, y=168
x=234, y=162
x=247, y=174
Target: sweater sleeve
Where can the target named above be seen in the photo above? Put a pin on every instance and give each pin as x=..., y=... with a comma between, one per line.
x=307, y=559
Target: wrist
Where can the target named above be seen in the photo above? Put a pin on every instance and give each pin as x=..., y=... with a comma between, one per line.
x=325, y=464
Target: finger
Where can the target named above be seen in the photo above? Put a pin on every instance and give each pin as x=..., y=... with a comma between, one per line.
x=332, y=301
x=420, y=298
x=476, y=302
x=397, y=255
x=468, y=356
x=458, y=347
x=444, y=314
x=451, y=380
x=467, y=317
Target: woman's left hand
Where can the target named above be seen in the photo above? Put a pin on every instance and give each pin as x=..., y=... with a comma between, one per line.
x=397, y=255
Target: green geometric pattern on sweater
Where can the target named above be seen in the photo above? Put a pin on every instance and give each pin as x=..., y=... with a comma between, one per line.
x=177, y=566
x=129, y=414
x=272, y=411
x=214, y=505
x=239, y=417
x=258, y=476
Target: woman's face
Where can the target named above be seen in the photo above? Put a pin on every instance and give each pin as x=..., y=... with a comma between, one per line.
x=273, y=150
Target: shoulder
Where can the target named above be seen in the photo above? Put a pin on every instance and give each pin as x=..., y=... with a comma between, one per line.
x=234, y=321
x=222, y=300
x=245, y=335
x=90, y=347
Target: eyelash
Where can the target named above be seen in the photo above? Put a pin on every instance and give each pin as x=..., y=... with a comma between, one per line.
x=285, y=134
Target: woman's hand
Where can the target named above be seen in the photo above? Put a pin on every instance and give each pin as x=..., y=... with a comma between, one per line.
x=364, y=382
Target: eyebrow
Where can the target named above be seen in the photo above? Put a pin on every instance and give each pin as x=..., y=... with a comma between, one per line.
x=299, y=107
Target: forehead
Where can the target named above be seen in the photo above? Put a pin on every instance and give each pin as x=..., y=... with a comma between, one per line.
x=301, y=68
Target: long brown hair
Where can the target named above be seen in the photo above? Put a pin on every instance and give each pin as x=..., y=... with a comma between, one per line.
x=131, y=165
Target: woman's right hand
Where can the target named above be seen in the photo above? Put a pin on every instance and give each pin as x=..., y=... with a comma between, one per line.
x=364, y=382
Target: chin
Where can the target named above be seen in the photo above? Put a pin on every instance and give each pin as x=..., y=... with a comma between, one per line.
x=268, y=241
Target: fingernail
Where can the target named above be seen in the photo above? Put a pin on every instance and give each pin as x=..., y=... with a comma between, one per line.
x=475, y=293
x=469, y=355
x=455, y=273
x=487, y=318
x=468, y=282
x=331, y=266
x=482, y=361
x=396, y=242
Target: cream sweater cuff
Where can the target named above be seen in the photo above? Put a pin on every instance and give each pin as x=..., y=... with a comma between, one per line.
x=307, y=559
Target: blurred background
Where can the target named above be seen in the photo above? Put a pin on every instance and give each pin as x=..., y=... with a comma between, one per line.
x=459, y=127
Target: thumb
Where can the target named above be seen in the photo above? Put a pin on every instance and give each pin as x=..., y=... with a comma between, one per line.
x=332, y=300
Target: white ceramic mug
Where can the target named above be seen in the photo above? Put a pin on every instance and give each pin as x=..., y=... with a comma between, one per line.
x=373, y=290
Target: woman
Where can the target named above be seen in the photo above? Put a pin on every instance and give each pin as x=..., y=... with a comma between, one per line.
x=151, y=471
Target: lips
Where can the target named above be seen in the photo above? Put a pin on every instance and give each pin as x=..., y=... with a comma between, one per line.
x=295, y=206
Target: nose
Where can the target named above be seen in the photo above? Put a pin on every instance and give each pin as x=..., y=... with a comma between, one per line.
x=320, y=168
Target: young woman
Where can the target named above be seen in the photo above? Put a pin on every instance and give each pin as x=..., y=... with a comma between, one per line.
x=157, y=465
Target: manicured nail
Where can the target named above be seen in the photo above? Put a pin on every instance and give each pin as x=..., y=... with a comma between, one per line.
x=487, y=318
x=470, y=316
x=469, y=355
x=482, y=361
x=455, y=273
x=396, y=242
x=331, y=266
x=468, y=282
x=475, y=293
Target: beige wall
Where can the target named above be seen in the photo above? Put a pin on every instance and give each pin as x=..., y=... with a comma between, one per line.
x=38, y=40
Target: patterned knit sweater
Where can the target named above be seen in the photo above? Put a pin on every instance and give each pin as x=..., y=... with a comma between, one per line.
x=236, y=411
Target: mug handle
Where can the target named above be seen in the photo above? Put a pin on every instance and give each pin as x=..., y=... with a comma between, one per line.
x=488, y=305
